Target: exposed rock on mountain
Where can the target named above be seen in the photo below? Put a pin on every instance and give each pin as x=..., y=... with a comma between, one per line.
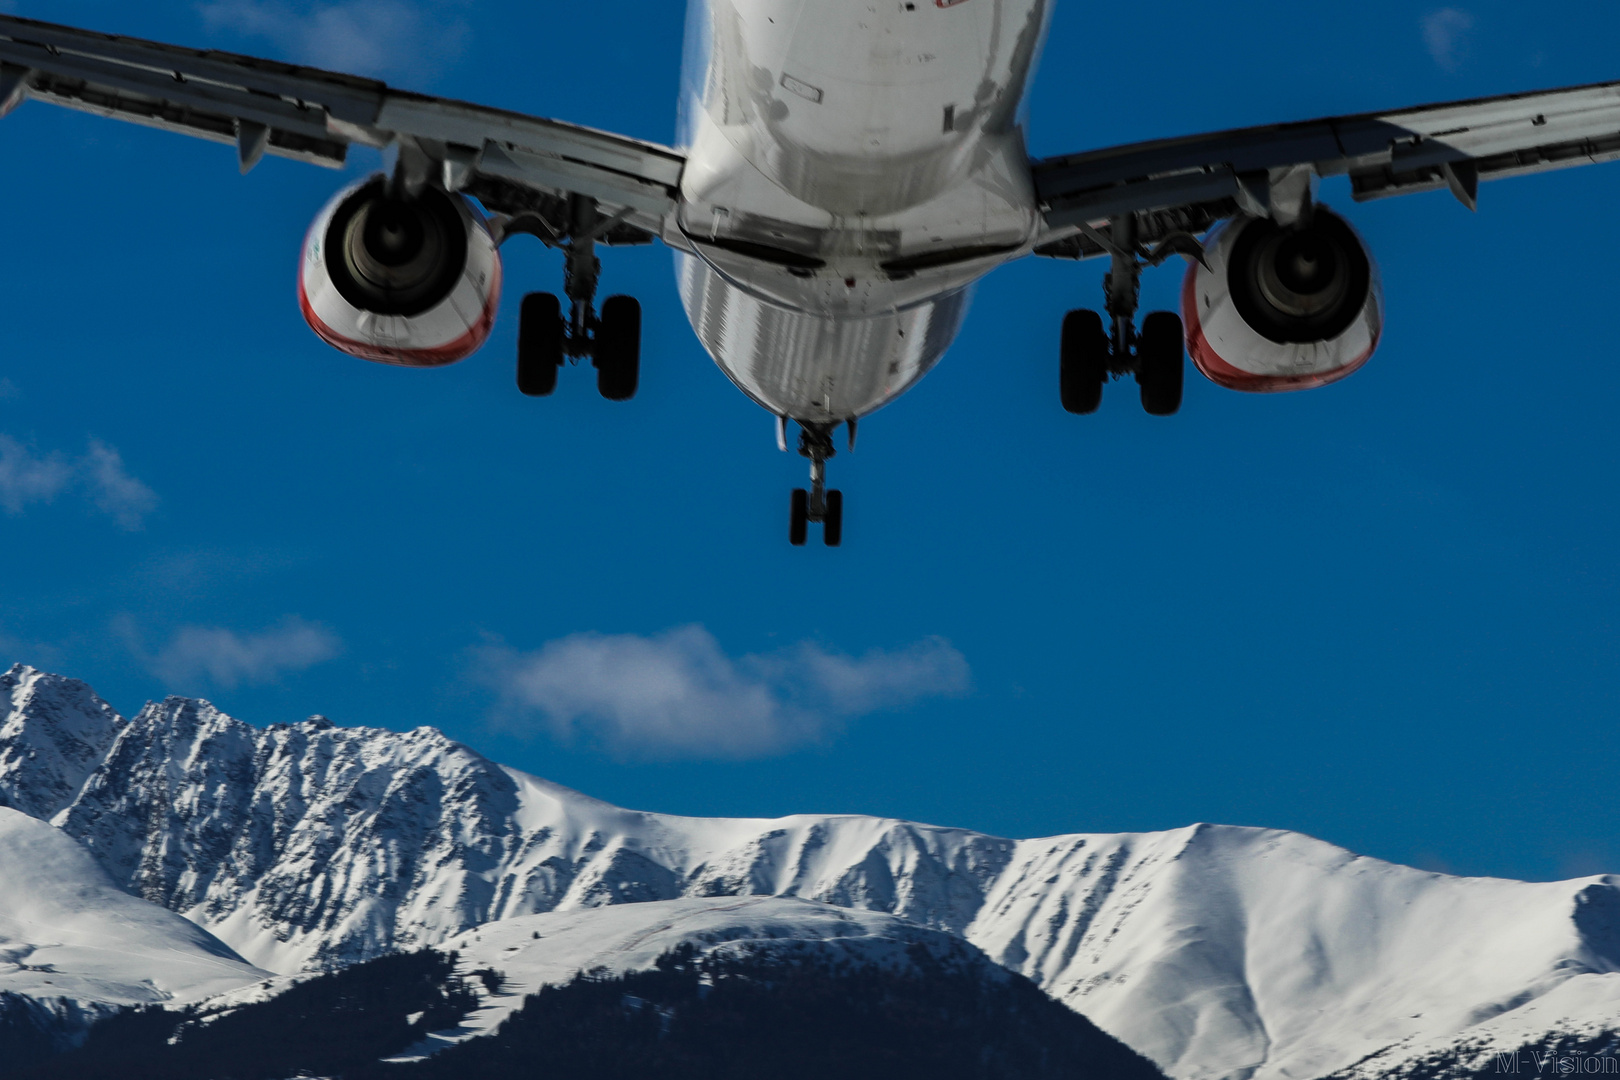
x=54, y=733
x=1217, y=952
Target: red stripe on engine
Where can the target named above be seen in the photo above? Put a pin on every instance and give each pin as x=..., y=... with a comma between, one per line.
x=1218, y=371
x=459, y=349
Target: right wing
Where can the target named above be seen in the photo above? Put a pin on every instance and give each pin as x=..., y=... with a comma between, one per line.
x=1187, y=184
x=515, y=164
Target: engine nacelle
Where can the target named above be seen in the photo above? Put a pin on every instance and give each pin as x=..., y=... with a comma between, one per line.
x=1282, y=308
x=400, y=282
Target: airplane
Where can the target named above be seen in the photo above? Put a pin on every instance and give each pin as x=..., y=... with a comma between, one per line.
x=846, y=170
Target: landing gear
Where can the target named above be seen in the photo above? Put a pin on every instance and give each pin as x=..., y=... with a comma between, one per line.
x=1092, y=352
x=540, y=344
x=1085, y=361
x=1160, y=363
x=549, y=337
x=832, y=521
x=617, y=355
x=799, y=518
x=818, y=505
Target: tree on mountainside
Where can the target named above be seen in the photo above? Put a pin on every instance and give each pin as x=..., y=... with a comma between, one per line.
x=325, y=1026
x=789, y=1018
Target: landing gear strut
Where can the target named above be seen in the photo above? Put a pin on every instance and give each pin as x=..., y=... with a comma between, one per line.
x=1092, y=353
x=548, y=338
x=817, y=505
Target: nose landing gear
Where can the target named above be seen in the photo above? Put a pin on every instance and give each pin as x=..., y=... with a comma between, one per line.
x=818, y=505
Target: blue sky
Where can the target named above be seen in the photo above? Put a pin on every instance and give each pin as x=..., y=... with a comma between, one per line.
x=1382, y=613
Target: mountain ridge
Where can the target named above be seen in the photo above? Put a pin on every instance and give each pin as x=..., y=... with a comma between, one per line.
x=1217, y=951
x=74, y=948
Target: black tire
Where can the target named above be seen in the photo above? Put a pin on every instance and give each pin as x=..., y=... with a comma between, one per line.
x=540, y=344
x=618, y=348
x=832, y=526
x=1084, y=361
x=799, y=523
x=1162, y=363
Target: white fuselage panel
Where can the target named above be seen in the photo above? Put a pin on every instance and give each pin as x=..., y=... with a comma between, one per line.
x=853, y=167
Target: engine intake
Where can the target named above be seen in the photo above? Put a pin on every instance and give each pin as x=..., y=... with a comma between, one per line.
x=414, y=281
x=1283, y=308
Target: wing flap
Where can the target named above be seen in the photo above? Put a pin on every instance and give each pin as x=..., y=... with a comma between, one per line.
x=1384, y=154
x=186, y=120
x=473, y=125
x=562, y=175
x=349, y=98
x=304, y=113
x=116, y=80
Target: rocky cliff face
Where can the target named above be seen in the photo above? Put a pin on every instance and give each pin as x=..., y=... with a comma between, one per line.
x=55, y=732
x=313, y=845
x=1218, y=952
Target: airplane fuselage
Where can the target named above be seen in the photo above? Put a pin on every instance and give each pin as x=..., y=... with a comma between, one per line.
x=853, y=167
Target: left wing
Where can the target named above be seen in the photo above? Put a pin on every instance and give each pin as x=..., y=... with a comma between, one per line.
x=1187, y=184
x=515, y=164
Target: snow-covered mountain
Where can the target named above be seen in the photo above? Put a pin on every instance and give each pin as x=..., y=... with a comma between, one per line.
x=75, y=946
x=54, y=733
x=1215, y=951
x=539, y=950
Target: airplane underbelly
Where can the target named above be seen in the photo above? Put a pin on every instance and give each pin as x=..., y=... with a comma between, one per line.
x=864, y=108
x=852, y=168
x=811, y=367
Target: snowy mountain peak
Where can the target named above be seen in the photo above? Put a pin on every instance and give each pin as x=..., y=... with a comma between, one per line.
x=315, y=844
x=1221, y=953
x=54, y=733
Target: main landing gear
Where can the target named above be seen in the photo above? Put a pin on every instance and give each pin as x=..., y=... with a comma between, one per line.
x=1091, y=353
x=547, y=339
x=818, y=505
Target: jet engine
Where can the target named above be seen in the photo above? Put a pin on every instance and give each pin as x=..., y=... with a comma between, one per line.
x=1283, y=307
x=410, y=281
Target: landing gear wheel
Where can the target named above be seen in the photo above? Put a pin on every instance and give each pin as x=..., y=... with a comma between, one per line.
x=832, y=526
x=618, y=348
x=1084, y=361
x=1162, y=363
x=540, y=344
x=799, y=524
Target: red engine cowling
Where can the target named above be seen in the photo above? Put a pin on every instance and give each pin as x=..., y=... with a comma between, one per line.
x=1281, y=308
x=413, y=282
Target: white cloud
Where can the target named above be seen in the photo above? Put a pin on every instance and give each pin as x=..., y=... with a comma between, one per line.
x=227, y=658
x=381, y=38
x=112, y=489
x=28, y=477
x=677, y=694
x=1446, y=33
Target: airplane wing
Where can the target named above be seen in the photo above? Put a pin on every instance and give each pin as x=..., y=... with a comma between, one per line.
x=514, y=164
x=1187, y=184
